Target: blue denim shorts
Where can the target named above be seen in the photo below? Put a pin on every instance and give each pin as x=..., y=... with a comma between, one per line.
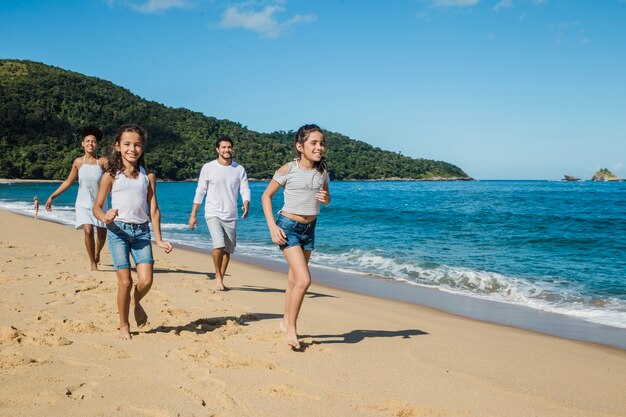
x=127, y=238
x=298, y=234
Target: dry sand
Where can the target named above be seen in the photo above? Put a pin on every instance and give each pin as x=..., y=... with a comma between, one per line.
x=207, y=353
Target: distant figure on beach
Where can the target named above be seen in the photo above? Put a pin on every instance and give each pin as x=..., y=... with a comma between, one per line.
x=36, y=206
x=305, y=184
x=87, y=169
x=221, y=180
x=132, y=189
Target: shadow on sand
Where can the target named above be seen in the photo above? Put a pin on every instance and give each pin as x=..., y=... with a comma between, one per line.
x=211, y=275
x=356, y=336
x=254, y=288
x=205, y=325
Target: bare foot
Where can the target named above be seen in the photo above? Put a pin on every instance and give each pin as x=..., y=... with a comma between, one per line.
x=125, y=332
x=97, y=259
x=292, y=339
x=140, y=315
x=283, y=326
x=219, y=285
x=94, y=266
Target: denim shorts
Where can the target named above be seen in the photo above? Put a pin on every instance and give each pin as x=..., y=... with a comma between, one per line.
x=127, y=238
x=298, y=234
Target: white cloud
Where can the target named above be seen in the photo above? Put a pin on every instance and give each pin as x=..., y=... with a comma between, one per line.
x=262, y=21
x=455, y=3
x=567, y=31
x=504, y=4
x=565, y=25
x=154, y=6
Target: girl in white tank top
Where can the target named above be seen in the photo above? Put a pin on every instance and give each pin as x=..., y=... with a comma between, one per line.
x=133, y=196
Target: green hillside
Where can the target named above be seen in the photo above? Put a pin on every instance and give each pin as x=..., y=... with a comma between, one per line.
x=42, y=109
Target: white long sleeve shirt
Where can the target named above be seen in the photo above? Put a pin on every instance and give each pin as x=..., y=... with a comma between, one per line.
x=221, y=183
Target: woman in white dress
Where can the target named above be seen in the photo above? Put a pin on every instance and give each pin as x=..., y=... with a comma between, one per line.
x=87, y=169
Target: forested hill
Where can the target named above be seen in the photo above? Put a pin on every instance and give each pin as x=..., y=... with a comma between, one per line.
x=43, y=108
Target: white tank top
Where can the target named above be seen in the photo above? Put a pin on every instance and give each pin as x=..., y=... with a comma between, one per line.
x=129, y=197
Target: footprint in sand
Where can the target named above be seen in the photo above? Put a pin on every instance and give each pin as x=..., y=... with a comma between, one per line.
x=212, y=399
x=14, y=360
x=108, y=352
x=202, y=376
x=146, y=411
x=285, y=391
x=10, y=334
x=81, y=391
x=49, y=339
x=218, y=359
x=177, y=312
x=86, y=288
x=397, y=410
x=79, y=326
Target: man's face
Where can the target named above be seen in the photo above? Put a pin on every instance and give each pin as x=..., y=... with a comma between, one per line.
x=225, y=150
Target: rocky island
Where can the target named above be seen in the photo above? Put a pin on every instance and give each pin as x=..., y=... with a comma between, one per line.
x=605, y=175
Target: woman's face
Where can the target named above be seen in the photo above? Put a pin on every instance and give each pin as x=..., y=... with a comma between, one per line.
x=90, y=143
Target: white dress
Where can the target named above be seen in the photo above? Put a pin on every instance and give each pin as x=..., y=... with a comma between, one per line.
x=88, y=182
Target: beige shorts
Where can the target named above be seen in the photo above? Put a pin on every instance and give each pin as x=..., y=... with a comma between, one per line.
x=223, y=233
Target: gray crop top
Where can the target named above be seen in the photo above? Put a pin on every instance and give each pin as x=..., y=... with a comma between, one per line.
x=300, y=187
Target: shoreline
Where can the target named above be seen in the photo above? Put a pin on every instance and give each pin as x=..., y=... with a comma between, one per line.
x=489, y=311
x=18, y=181
x=466, y=306
x=392, y=179
x=220, y=353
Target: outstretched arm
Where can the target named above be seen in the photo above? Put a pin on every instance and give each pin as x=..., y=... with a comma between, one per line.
x=155, y=215
x=73, y=175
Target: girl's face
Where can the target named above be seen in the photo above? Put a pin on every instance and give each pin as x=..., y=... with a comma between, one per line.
x=130, y=147
x=89, y=143
x=313, y=148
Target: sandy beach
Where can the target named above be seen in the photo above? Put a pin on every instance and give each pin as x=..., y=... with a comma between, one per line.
x=207, y=353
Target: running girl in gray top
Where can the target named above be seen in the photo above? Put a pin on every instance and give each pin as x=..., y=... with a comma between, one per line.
x=305, y=184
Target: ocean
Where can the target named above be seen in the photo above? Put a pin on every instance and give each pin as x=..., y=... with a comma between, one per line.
x=550, y=246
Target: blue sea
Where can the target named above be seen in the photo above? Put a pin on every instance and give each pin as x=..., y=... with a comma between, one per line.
x=547, y=245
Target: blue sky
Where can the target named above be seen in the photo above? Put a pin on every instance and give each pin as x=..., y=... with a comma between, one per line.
x=506, y=89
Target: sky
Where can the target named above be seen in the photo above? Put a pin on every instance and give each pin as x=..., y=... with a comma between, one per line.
x=505, y=89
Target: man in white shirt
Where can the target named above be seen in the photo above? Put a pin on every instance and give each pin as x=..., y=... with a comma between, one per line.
x=221, y=180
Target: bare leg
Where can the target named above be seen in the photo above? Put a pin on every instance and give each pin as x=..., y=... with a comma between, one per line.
x=291, y=282
x=144, y=283
x=299, y=280
x=101, y=238
x=218, y=260
x=90, y=245
x=225, y=261
x=124, y=284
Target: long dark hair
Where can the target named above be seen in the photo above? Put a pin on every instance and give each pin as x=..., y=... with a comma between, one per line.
x=301, y=136
x=115, y=164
